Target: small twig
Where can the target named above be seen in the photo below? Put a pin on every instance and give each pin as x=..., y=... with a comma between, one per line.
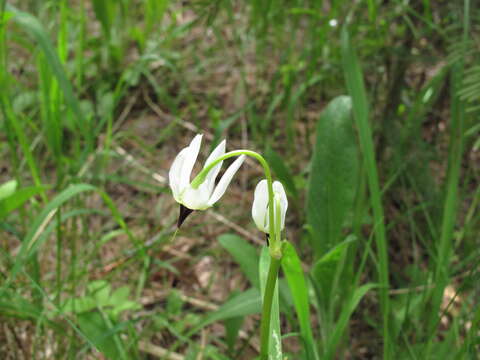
x=89, y=162
x=419, y=288
x=40, y=229
x=202, y=304
x=237, y=228
x=130, y=159
x=203, y=343
x=161, y=114
x=198, y=303
x=158, y=351
x=126, y=111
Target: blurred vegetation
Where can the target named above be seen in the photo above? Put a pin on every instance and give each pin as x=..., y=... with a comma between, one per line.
x=367, y=111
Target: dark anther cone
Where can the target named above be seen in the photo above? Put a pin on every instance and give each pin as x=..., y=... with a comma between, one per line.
x=267, y=237
x=184, y=212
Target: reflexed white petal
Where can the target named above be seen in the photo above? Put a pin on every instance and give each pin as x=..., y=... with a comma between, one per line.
x=225, y=180
x=190, y=158
x=260, y=206
x=174, y=175
x=196, y=199
x=278, y=190
x=212, y=174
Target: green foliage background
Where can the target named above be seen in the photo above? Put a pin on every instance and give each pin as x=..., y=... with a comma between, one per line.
x=367, y=111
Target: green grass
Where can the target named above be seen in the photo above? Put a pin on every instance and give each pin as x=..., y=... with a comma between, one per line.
x=368, y=114
x=356, y=88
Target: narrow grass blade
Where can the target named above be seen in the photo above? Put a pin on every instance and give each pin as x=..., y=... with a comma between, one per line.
x=356, y=89
x=154, y=11
x=31, y=24
x=15, y=305
x=33, y=240
x=104, y=11
x=29, y=243
x=445, y=245
x=15, y=123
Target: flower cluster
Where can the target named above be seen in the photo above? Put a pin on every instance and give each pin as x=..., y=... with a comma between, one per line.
x=207, y=193
x=268, y=210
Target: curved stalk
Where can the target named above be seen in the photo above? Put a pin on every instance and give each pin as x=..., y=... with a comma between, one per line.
x=200, y=178
x=275, y=242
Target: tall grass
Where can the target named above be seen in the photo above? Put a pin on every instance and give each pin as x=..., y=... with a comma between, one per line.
x=356, y=88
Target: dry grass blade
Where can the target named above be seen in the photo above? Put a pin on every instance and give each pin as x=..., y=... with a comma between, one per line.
x=158, y=351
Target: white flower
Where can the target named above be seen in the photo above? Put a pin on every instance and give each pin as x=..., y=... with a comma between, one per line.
x=260, y=205
x=207, y=193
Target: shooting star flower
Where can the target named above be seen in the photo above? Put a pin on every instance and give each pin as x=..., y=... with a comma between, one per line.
x=207, y=192
x=260, y=205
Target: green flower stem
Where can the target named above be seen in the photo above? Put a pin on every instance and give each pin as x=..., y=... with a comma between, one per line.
x=267, y=307
x=200, y=178
x=275, y=242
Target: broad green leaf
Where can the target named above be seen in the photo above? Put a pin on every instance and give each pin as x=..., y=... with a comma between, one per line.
x=126, y=305
x=275, y=343
x=174, y=303
x=345, y=315
x=18, y=198
x=100, y=291
x=98, y=331
x=333, y=176
x=245, y=303
x=408, y=309
x=244, y=254
x=232, y=328
x=281, y=170
x=7, y=15
x=292, y=268
x=120, y=295
x=325, y=269
x=7, y=189
x=79, y=305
